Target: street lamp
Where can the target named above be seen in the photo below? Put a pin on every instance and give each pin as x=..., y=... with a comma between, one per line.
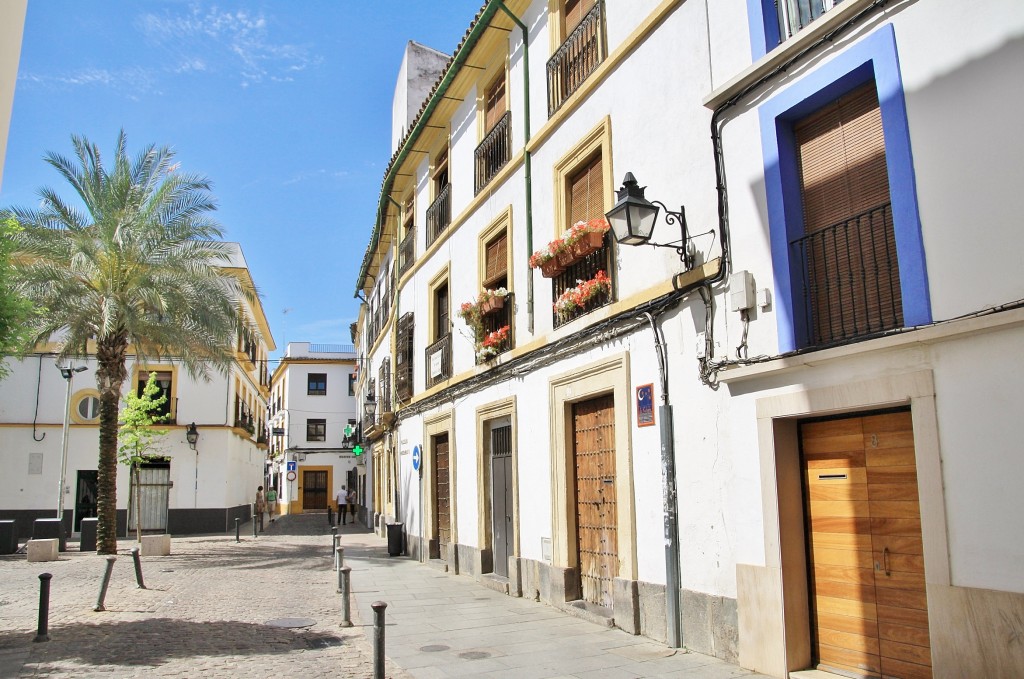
x=68, y=373
x=192, y=436
x=633, y=217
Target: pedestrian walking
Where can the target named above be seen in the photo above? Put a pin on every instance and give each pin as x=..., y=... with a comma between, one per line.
x=342, y=500
x=271, y=502
x=261, y=506
x=352, y=498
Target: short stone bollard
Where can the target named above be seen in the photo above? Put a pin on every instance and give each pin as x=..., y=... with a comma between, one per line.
x=339, y=561
x=138, y=568
x=238, y=527
x=106, y=581
x=42, y=629
x=254, y=526
x=330, y=516
x=346, y=606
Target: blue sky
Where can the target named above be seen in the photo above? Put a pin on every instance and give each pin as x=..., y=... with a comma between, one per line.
x=285, y=106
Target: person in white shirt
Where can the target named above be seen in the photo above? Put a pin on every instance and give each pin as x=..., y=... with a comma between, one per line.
x=342, y=500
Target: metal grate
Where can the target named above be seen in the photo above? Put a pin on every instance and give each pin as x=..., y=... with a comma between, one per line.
x=581, y=53
x=439, y=360
x=795, y=14
x=439, y=214
x=407, y=252
x=493, y=152
x=849, y=278
x=582, y=270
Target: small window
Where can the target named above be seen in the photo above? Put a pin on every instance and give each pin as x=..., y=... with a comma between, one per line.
x=163, y=382
x=316, y=384
x=89, y=408
x=352, y=378
x=316, y=430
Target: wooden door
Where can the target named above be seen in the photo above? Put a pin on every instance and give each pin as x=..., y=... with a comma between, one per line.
x=314, y=489
x=442, y=494
x=594, y=484
x=501, y=497
x=866, y=565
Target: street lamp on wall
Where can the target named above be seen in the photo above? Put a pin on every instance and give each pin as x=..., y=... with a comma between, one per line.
x=192, y=435
x=633, y=217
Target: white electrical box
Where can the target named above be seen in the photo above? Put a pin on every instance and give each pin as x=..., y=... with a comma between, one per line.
x=764, y=298
x=741, y=291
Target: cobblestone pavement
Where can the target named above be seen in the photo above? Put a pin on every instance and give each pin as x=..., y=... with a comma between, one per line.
x=206, y=609
x=204, y=612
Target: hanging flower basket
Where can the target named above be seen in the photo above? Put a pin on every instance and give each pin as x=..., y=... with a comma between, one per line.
x=566, y=258
x=492, y=305
x=584, y=294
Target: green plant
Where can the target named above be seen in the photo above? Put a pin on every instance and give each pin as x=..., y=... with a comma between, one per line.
x=138, y=437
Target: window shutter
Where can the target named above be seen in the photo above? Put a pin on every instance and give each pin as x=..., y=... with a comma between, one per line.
x=496, y=265
x=573, y=13
x=495, y=103
x=586, y=193
x=850, y=250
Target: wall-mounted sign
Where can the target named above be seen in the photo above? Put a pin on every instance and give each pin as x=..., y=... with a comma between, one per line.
x=277, y=431
x=416, y=455
x=645, y=405
x=292, y=465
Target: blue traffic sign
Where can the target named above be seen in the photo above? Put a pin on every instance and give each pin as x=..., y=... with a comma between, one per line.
x=292, y=465
x=416, y=458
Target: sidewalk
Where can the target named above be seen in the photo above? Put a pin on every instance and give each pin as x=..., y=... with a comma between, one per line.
x=212, y=607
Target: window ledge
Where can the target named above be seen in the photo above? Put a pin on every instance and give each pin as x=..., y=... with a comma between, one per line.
x=785, y=51
x=927, y=335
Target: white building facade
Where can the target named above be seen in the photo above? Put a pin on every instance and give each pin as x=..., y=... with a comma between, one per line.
x=186, y=488
x=833, y=483
x=312, y=403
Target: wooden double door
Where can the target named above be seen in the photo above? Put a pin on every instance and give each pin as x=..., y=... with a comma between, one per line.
x=869, y=610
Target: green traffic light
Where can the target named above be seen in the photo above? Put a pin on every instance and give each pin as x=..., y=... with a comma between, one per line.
x=357, y=450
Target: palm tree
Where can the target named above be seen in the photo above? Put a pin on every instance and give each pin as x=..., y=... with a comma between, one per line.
x=135, y=269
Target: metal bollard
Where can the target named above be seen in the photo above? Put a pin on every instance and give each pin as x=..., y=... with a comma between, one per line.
x=254, y=534
x=334, y=542
x=346, y=606
x=330, y=516
x=106, y=581
x=238, y=527
x=138, y=568
x=339, y=563
x=378, y=638
x=44, y=608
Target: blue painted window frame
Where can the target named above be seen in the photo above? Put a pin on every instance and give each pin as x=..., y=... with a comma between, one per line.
x=872, y=58
x=764, y=27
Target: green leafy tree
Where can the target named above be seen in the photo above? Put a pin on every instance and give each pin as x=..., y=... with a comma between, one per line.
x=134, y=266
x=138, y=437
x=15, y=310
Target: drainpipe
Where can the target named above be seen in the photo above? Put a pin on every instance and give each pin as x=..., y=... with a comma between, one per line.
x=527, y=157
x=668, y=497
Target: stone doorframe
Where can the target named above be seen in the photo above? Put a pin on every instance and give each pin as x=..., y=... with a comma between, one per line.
x=435, y=425
x=484, y=415
x=772, y=600
x=610, y=375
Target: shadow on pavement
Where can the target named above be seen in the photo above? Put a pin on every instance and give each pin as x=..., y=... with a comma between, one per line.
x=152, y=642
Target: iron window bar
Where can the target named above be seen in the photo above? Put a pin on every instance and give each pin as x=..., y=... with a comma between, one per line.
x=493, y=152
x=794, y=15
x=578, y=57
x=439, y=214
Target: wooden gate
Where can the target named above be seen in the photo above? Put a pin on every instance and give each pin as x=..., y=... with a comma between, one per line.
x=501, y=497
x=596, y=528
x=442, y=495
x=868, y=600
x=314, y=489
x=154, y=485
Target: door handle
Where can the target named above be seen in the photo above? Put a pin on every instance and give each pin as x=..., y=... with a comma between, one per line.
x=885, y=561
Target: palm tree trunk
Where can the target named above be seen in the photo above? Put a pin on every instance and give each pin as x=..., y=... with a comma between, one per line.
x=111, y=372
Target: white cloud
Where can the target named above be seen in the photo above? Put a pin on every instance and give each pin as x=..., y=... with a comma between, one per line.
x=236, y=40
x=131, y=82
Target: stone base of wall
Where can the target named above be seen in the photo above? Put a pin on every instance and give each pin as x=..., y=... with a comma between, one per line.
x=710, y=625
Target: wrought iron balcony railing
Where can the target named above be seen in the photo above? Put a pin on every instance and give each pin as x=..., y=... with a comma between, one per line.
x=795, y=14
x=439, y=214
x=585, y=269
x=407, y=252
x=494, y=321
x=493, y=152
x=849, y=278
x=581, y=53
x=439, y=360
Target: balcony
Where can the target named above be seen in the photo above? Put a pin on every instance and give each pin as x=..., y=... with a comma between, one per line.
x=578, y=57
x=793, y=15
x=407, y=252
x=585, y=269
x=849, y=279
x=439, y=361
x=439, y=214
x=493, y=152
x=494, y=322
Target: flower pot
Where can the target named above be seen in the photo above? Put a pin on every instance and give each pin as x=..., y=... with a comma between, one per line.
x=594, y=239
x=485, y=307
x=496, y=304
x=565, y=257
x=551, y=268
